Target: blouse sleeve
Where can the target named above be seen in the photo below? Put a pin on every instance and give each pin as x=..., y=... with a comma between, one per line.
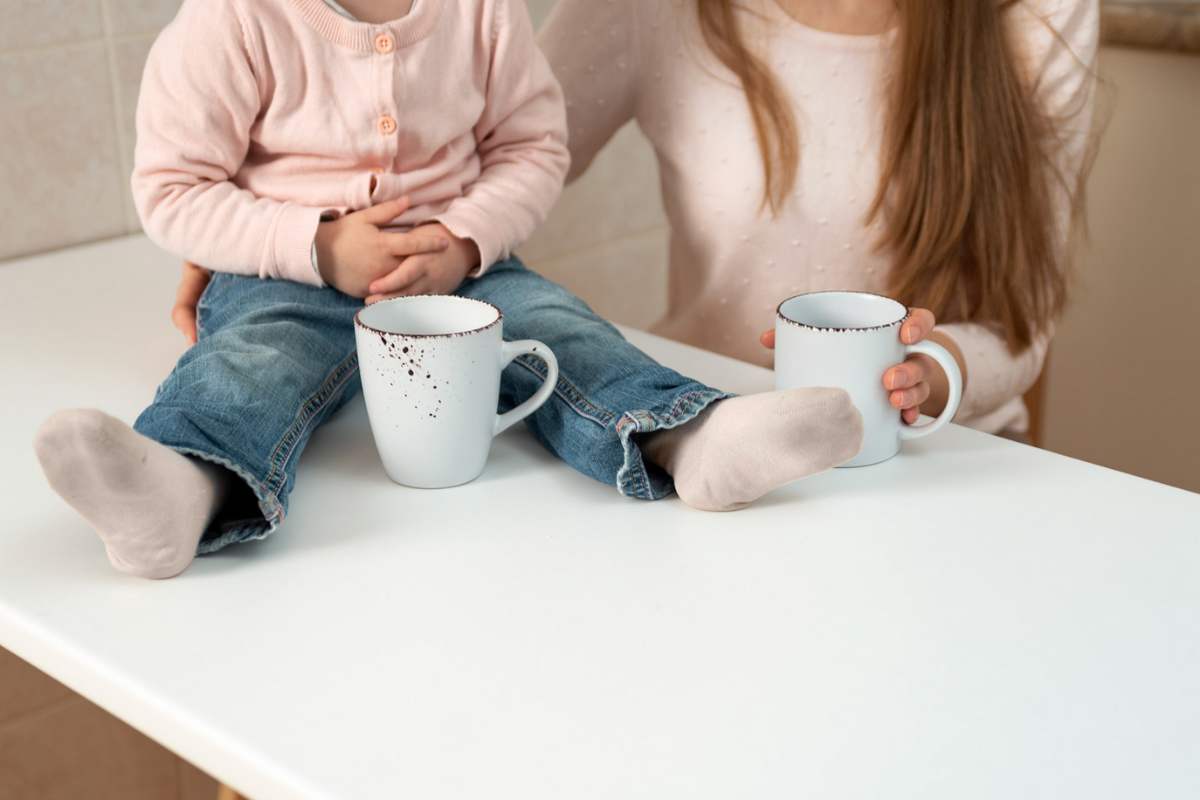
x=1059, y=40
x=592, y=48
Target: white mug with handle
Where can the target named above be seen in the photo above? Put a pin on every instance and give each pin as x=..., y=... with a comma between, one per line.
x=848, y=340
x=430, y=368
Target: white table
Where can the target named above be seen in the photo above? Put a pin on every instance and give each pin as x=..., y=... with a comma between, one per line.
x=974, y=619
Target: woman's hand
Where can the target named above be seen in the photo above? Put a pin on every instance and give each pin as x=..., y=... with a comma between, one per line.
x=191, y=285
x=429, y=273
x=918, y=384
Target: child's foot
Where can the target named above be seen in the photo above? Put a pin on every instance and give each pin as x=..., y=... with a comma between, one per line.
x=149, y=504
x=740, y=449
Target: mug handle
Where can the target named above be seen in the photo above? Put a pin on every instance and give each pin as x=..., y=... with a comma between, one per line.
x=532, y=347
x=947, y=362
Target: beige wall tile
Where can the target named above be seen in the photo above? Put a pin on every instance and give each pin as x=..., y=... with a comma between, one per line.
x=130, y=58
x=139, y=16
x=75, y=750
x=36, y=23
x=618, y=196
x=624, y=280
x=59, y=165
x=25, y=689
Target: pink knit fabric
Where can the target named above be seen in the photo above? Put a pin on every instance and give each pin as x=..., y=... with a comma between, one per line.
x=258, y=117
x=731, y=264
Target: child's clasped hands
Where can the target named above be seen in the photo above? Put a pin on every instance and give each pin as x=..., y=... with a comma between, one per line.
x=360, y=257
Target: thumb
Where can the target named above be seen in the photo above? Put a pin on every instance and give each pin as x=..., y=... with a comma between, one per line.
x=385, y=212
x=767, y=340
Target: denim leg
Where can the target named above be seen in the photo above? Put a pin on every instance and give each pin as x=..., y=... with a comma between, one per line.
x=608, y=391
x=274, y=360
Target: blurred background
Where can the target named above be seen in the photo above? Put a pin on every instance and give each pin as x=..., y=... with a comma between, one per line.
x=1122, y=388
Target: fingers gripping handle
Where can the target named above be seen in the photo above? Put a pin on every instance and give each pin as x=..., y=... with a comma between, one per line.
x=538, y=350
x=954, y=376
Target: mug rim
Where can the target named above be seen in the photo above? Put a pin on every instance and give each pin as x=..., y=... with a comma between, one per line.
x=780, y=315
x=499, y=318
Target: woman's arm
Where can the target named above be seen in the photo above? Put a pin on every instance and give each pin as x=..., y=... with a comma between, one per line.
x=593, y=49
x=199, y=99
x=1058, y=40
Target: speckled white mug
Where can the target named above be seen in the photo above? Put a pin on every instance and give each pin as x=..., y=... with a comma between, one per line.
x=848, y=340
x=430, y=368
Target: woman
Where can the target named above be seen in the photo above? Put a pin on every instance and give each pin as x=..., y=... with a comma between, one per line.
x=929, y=151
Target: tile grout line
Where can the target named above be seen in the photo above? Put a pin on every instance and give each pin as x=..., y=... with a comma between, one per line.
x=70, y=44
x=58, y=248
x=118, y=113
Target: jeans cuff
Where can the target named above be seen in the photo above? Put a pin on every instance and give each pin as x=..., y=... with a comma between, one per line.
x=223, y=532
x=646, y=482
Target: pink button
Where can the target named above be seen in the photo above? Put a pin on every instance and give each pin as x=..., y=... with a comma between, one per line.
x=387, y=125
x=384, y=43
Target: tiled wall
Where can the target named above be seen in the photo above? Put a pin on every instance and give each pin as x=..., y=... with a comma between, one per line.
x=70, y=72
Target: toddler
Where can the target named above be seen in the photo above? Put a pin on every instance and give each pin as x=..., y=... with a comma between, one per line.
x=317, y=155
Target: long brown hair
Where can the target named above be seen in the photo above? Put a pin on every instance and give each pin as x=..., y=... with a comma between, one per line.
x=968, y=172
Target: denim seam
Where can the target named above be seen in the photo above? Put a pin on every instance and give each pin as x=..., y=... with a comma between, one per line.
x=308, y=411
x=574, y=398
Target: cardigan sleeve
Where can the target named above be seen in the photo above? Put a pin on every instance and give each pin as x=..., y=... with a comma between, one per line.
x=199, y=98
x=522, y=144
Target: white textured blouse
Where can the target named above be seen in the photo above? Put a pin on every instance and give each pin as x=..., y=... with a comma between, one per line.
x=732, y=263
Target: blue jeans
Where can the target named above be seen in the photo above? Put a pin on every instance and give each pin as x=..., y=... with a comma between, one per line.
x=276, y=359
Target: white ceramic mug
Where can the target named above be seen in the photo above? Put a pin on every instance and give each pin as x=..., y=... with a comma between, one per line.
x=430, y=368
x=848, y=340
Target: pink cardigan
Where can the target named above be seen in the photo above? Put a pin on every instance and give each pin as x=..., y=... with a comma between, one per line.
x=259, y=117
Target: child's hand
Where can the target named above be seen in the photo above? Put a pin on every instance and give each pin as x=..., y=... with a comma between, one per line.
x=429, y=273
x=919, y=382
x=353, y=251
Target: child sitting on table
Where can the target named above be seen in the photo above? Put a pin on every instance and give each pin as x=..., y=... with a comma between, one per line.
x=316, y=155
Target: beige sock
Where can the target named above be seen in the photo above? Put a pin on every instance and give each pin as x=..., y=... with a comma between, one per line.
x=149, y=504
x=740, y=449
